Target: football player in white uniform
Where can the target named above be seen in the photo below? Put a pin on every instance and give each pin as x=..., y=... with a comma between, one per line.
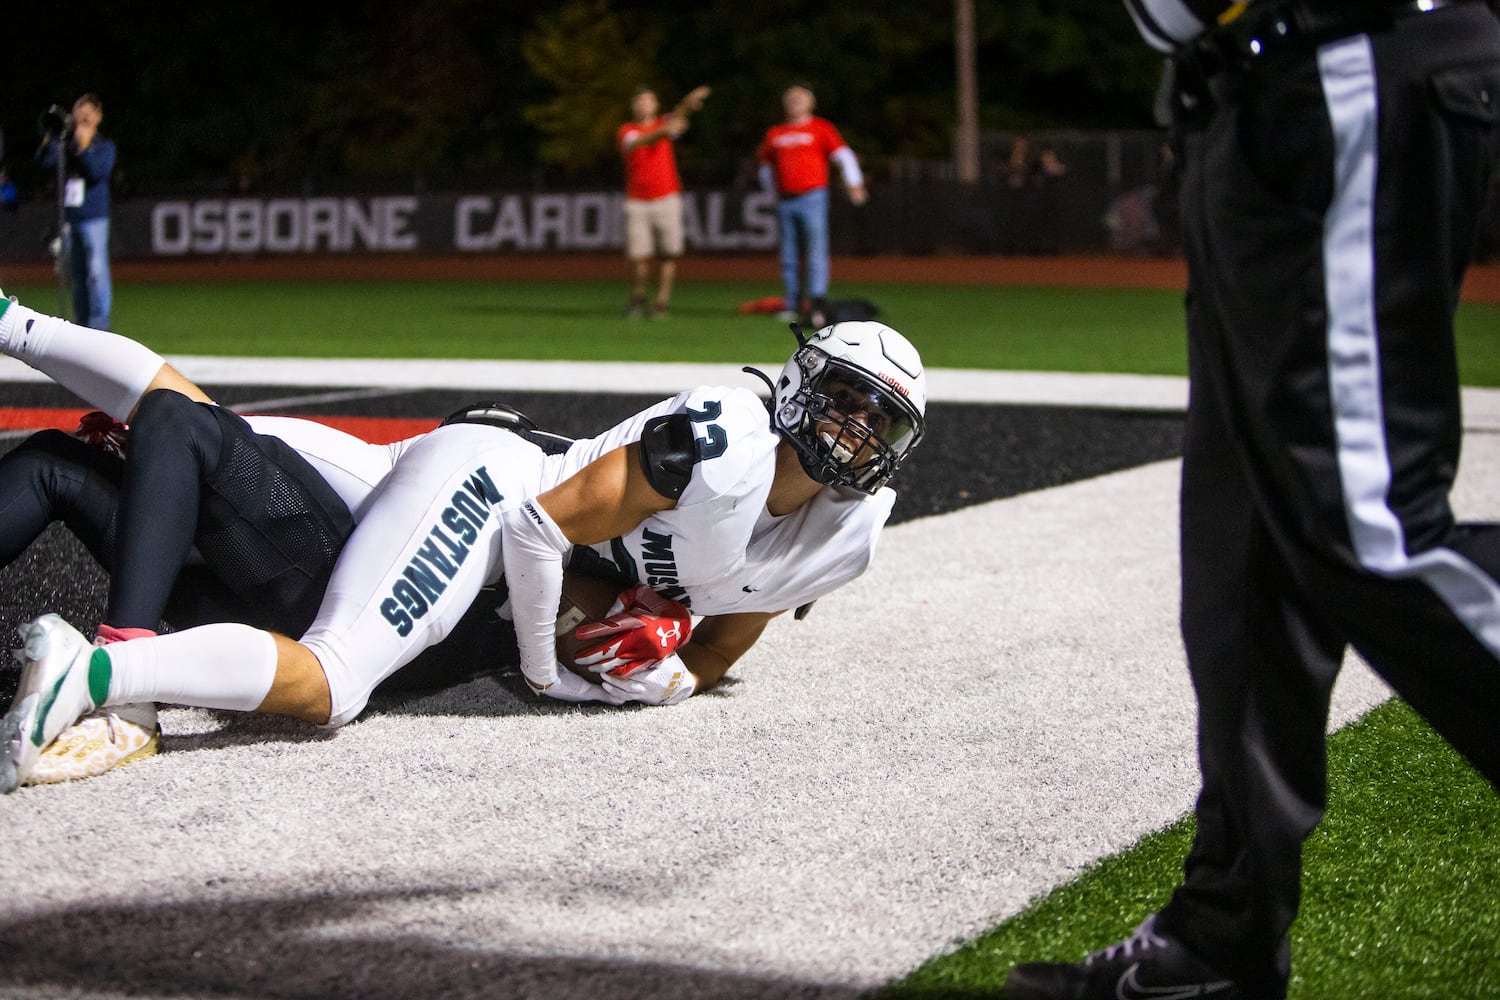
x=701, y=497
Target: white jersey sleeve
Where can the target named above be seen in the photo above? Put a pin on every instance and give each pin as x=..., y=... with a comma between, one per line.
x=811, y=552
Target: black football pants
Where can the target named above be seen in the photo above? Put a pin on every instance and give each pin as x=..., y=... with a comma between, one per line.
x=268, y=527
x=1330, y=201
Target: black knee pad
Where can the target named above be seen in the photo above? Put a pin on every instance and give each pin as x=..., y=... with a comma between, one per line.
x=164, y=416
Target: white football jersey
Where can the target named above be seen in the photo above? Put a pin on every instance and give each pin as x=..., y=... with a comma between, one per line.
x=431, y=538
x=719, y=551
x=352, y=466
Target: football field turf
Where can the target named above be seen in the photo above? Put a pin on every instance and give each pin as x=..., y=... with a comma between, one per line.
x=1060, y=733
x=1018, y=328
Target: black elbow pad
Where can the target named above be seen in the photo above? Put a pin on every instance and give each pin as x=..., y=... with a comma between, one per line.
x=668, y=453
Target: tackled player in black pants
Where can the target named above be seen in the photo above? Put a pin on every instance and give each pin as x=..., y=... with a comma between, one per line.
x=265, y=522
x=1335, y=158
x=268, y=527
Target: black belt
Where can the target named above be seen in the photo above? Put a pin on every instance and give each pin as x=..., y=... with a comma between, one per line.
x=1211, y=69
x=1257, y=31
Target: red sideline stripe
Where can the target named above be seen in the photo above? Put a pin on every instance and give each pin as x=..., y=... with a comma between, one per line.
x=378, y=430
x=13, y=418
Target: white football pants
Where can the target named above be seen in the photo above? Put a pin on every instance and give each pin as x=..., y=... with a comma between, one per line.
x=429, y=542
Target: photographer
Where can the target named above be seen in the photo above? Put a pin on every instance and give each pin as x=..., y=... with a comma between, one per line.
x=89, y=161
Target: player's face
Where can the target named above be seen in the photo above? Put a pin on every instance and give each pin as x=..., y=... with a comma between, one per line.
x=857, y=412
x=645, y=104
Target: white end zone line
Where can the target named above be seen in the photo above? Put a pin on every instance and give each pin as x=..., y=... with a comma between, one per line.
x=948, y=385
x=944, y=384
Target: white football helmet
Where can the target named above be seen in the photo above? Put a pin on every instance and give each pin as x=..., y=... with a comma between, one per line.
x=852, y=401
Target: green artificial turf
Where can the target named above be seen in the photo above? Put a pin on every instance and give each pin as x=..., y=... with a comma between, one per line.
x=962, y=327
x=1401, y=884
x=1022, y=327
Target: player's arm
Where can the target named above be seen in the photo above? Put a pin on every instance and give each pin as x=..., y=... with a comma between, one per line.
x=697, y=665
x=603, y=500
x=168, y=377
x=718, y=642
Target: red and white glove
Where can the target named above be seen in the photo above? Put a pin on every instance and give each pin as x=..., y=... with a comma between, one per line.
x=663, y=683
x=100, y=430
x=650, y=628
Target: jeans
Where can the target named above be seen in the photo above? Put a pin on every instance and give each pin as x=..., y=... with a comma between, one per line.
x=804, y=216
x=88, y=261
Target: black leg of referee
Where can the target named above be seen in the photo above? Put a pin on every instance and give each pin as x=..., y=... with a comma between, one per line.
x=1330, y=203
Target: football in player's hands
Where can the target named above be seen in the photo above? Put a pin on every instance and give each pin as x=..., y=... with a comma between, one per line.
x=646, y=629
x=600, y=629
x=585, y=600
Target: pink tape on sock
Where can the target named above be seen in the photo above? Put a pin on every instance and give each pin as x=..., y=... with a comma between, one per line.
x=108, y=634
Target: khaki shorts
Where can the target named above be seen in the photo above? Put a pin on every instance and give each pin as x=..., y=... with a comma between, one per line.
x=653, y=228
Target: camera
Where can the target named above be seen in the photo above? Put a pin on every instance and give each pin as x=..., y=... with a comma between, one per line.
x=56, y=121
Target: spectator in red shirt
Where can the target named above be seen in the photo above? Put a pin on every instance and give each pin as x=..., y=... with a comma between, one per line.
x=794, y=160
x=653, y=195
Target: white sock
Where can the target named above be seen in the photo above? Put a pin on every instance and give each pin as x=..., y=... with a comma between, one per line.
x=105, y=369
x=212, y=666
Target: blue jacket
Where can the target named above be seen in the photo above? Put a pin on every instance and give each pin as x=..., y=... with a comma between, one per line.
x=94, y=165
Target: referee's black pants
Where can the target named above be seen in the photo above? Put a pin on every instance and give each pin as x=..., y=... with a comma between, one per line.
x=1330, y=202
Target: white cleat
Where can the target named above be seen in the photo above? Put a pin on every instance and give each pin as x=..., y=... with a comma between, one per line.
x=100, y=741
x=55, y=692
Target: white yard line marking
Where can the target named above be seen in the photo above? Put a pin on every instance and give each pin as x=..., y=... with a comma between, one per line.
x=948, y=385
x=315, y=399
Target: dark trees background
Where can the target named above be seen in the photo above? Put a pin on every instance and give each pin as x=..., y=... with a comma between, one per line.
x=297, y=95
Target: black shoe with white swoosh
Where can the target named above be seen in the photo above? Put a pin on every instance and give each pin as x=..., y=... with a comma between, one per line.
x=1145, y=966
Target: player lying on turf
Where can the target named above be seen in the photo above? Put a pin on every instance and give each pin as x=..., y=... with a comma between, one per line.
x=700, y=497
x=267, y=502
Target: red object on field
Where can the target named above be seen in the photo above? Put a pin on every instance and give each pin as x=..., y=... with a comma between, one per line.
x=376, y=430
x=769, y=304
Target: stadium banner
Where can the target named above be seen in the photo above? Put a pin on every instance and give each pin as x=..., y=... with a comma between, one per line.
x=532, y=222
x=899, y=219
